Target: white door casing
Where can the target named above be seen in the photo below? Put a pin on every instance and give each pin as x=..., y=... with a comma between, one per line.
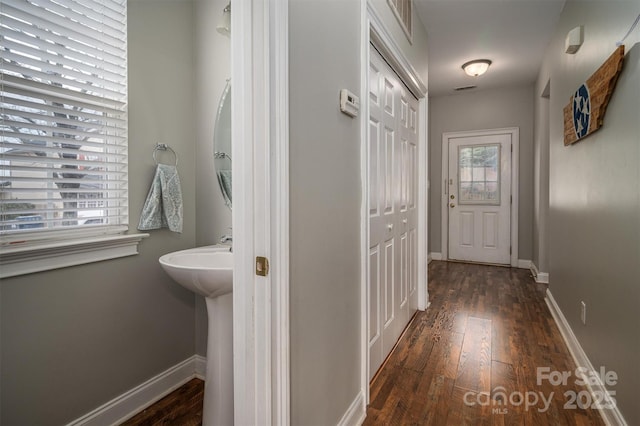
x=374, y=32
x=480, y=196
x=260, y=111
x=393, y=218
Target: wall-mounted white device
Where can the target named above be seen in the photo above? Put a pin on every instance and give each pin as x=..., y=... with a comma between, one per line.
x=574, y=40
x=349, y=103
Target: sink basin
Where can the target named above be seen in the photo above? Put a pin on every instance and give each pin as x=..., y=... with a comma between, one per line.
x=207, y=271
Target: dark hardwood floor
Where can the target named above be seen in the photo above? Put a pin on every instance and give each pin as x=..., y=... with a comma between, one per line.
x=472, y=357
x=182, y=407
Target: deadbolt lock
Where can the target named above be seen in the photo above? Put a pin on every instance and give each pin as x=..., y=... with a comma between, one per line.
x=453, y=197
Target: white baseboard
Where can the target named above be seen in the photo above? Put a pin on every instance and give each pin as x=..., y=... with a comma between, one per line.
x=612, y=417
x=524, y=264
x=436, y=256
x=355, y=414
x=135, y=400
x=201, y=366
x=541, y=277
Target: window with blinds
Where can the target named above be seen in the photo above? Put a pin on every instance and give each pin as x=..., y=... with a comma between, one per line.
x=403, y=9
x=63, y=118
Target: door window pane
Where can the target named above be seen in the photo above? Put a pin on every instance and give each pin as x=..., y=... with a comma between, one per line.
x=479, y=174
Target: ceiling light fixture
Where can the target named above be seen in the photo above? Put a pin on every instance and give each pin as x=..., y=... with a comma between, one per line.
x=476, y=67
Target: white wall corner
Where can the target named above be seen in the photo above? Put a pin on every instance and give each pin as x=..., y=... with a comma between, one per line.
x=612, y=416
x=135, y=400
x=524, y=264
x=356, y=413
x=540, y=277
x=429, y=258
x=435, y=256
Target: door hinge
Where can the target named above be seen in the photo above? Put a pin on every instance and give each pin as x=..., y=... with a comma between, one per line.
x=262, y=266
x=511, y=199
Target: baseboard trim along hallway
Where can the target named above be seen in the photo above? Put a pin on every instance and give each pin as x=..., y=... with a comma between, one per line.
x=355, y=414
x=522, y=263
x=435, y=256
x=612, y=417
x=541, y=277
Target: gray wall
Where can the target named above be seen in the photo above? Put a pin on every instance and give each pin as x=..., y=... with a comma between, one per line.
x=212, y=68
x=74, y=338
x=489, y=109
x=324, y=51
x=594, y=205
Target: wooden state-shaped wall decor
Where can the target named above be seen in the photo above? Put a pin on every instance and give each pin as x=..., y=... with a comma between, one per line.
x=585, y=112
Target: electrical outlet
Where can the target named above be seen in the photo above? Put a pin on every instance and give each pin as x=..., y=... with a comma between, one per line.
x=583, y=312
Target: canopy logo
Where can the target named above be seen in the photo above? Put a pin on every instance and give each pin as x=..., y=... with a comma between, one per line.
x=500, y=400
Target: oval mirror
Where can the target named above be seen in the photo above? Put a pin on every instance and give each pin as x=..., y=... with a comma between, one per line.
x=222, y=144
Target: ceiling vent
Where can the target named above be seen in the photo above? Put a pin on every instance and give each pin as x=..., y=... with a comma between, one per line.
x=460, y=89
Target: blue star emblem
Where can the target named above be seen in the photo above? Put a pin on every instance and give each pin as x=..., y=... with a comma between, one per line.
x=581, y=111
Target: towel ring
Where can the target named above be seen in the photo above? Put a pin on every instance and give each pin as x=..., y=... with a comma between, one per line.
x=164, y=147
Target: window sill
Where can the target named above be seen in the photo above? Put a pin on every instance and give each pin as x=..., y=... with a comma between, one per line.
x=16, y=261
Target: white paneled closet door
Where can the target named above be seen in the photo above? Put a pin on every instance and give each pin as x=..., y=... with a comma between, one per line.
x=393, y=180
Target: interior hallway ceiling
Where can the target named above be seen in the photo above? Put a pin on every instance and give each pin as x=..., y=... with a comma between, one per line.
x=513, y=34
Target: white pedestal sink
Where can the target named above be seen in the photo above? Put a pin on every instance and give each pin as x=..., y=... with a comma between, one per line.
x=208, y=271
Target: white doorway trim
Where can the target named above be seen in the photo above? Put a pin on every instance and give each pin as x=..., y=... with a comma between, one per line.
x=259, y=70
x=515, y=162
x=374, y=32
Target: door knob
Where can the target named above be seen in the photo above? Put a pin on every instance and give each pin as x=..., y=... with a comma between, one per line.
x=389, y=226
x=404, y=221
x=452, y=205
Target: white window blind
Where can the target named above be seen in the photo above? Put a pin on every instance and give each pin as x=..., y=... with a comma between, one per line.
x=63, y=119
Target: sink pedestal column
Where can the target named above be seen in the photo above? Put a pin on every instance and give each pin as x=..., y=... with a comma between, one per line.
x=218, y=388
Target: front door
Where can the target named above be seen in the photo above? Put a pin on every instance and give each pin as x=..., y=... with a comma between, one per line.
x=479, y=201
x=393, y=221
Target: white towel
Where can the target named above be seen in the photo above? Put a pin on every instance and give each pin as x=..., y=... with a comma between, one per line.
x=163, y=207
